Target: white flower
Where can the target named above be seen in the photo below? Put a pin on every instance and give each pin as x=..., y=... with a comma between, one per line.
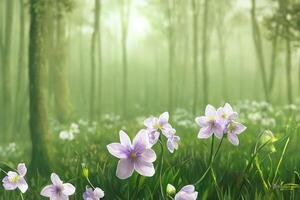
x=74, y=128
x=58, y=190
x=66, y=135
x=15, y=180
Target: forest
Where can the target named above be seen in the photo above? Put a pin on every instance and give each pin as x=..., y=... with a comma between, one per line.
x=149, y=99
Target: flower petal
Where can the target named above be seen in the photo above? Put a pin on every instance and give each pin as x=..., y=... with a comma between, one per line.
x=163, y=118
x=141, y=140
x=202, y=121
x=69, y=189
x=233, y=139
x=233, y=116
x=98, y=192
x=188, y=188
x=153, y=137
x=12, y=174
x=218, y=130
x=172, y=143
x=227, y=108
x=88, y=194
x=125, y=168
x=22, y=170
x=170, y=146
x=8, y=185
x=55, y=179
x=149, y=122
x=239, y=128
x=205, y=132
x=48, y=191
x=117, y=150
x=220, y=112
x=168, y=131
x=22, y=185
x=186, y=196
x=144, y=168
x=149, y=155
x=124, y=139
x=210, y=111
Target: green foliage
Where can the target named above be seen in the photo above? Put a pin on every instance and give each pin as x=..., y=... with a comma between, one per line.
x=278, y=170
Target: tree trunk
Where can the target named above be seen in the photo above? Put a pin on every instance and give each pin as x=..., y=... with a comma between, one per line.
x=95, y=38
x=283, y=8
x=82, y=74
x=6, y=71
x=62, y=98
x=21, y=84
x=125, y=11
x=222, y=54
x=273, y=60
x=1, y=63
x=259, y=51
x=184, y=73
x=299, y=76
x=21, y=60
x=99, y=107
x=204, y=54
x=195, y=54
x=171, y=47
x=37, y=71
x=289, y=70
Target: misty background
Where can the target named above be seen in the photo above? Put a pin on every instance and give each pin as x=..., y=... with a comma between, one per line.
x=132, y=57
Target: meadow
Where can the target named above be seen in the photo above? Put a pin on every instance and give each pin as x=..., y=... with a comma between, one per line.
x=149, y=99
x=269, y=172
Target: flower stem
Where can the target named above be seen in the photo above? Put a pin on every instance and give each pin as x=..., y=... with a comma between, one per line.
x=260, y=172
x=170, y=197
x=211, y=149
x=87, y=178
x=211, y=159
x=21, y=196
x=161, y=168
x=3, y=171
x=216, y=183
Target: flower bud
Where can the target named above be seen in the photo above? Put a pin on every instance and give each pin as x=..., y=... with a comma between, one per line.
x=268, y=136
x=85, y=170
x=171, y=190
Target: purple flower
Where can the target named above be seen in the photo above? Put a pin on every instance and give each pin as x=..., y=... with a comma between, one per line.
x=15, y=180
x=153, y=136
x=172, y=143
x=233, y=129
x=172, y=140
x=210, y=123
x=187, y=193
x=155, y=124
x=91, y=194
x=226, y=113
x=137, y=155
x=58, y=190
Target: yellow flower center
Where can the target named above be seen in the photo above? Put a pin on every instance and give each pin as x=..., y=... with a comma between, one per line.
x=231, y=127
x=211, y=118
x=158, y=126
x=15, y=179
x=224, y=115
x=133, y=155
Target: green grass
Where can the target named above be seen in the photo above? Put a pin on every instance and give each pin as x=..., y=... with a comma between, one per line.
x=271, y=175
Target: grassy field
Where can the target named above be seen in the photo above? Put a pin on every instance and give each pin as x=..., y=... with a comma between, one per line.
x=259, y=168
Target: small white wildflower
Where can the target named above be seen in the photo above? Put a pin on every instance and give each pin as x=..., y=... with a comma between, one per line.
x=66, y=135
